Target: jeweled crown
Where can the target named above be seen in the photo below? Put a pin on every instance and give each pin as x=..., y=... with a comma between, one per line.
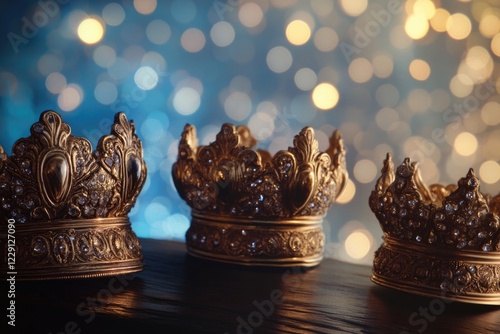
x=251, y=208
x=70, y=204
x=438, y=240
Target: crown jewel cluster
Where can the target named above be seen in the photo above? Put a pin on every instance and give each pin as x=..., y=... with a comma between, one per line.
x=228, y=177
x=55, y=175
x=453, y=216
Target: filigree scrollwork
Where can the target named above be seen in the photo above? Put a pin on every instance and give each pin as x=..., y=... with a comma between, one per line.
x=55, y=175
x=229, y=178
x=464, y=279
x=271, y=244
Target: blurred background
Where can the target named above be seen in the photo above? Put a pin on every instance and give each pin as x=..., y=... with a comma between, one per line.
x=417, y=78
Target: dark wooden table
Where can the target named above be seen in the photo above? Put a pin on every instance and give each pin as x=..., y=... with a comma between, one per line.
x=180, y=294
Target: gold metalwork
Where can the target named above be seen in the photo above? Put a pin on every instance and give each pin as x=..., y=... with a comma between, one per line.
x=253, y=209
x=438, y=241
x=70, y=205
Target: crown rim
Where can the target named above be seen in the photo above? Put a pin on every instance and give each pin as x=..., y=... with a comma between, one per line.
x=465, y=276
x=82, y=249
x=256, y=244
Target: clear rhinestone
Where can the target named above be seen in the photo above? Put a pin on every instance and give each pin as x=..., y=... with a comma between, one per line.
x=18, y=190
x=88, y=210
x=29, y=203
x=38, y=127
x=472, y=182
x=448, y=207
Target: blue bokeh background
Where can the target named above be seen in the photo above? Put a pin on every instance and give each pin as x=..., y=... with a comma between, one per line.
x=383, y=106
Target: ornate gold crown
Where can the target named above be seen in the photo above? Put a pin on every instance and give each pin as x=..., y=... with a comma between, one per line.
x=253, y=209
x=438, y=241
x=66, y=207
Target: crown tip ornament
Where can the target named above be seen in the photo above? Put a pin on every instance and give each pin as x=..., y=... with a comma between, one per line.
x=251, y=208
x=439, y=241
x=69, y=205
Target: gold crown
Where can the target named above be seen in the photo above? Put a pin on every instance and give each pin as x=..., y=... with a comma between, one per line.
x=66, y=207
x=438, y=241
x=253, y=209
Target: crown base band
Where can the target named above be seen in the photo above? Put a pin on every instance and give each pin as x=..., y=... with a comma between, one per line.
x=243, y=241
x=73, y=249
x=421, y=270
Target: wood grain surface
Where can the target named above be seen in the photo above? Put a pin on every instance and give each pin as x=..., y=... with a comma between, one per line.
x=180, y=294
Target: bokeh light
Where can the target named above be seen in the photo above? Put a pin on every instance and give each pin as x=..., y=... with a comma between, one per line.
x=222, y=33
x=250, y=14
x=186, y=101
x=348, y=194
x=416, y=26
x=420, y=69
x=458, y=26
x=55, y=82
x=438, y=21
x=489, y=172
x=298, y=32
x=326, y=39
x=193, y=40
x=113, y=14
x=365, y=171
x=158, y=32
x=358, y=244
x=465, y=144
x=279, y=59
x=90, y=31
x=305, y=79
x=325, y=96
x=238, y=106
x=70, y=97
x=360, y=70
x=145, y=7
x=353, y=7
x=146, y=78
